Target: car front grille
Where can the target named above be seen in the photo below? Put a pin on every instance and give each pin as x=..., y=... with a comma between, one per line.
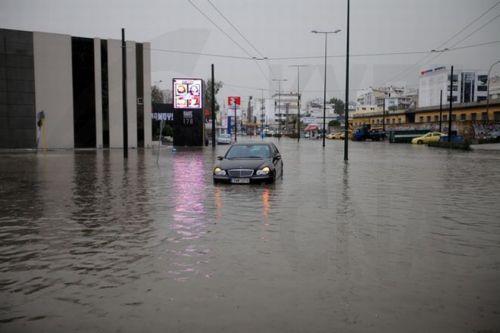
x=240, y=173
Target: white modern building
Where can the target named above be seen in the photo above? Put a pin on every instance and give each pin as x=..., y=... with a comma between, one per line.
x=468, y=86
x=60, y=91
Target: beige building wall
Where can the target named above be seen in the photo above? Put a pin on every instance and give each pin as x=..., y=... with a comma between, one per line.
x=131, y=95
x=98, y=92
x=54, y=88
x=115, y=93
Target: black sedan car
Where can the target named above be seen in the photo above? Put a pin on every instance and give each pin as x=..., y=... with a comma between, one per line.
x=246, y=163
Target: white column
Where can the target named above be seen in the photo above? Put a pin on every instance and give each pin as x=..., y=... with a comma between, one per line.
x=98, y=93
x=131, y=95
x=115, y=93
x=54, y=88
x=147, y=95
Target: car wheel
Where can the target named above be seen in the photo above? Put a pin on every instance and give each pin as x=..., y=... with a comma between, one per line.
x=419, y=142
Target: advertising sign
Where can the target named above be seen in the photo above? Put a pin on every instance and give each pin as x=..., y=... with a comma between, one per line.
x=233, y=100
x=188, y=93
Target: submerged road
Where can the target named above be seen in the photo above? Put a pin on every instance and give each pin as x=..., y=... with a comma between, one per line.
x=401, y=239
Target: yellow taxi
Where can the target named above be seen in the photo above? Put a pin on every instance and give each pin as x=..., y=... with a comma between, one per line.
x=427, y=138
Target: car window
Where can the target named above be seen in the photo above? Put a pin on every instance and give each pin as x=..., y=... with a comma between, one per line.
x=249, y=151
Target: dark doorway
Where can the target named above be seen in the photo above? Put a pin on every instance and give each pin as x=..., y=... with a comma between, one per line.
x=140, y=94
x=105, y=93
x=84, y=118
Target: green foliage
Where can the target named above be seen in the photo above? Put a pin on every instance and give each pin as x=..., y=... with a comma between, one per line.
x=156, y=95
x=208, y=94
x=334, y=123
x=338, y=105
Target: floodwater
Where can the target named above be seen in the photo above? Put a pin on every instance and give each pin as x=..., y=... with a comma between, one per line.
x=401, y=239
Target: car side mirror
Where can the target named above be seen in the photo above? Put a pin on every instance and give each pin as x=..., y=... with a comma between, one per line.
x=220, y=158
x=277, y=157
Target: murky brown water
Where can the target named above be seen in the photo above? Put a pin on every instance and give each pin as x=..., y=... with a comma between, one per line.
x=402, y=239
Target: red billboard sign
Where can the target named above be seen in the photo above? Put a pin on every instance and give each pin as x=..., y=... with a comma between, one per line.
x=233, y=100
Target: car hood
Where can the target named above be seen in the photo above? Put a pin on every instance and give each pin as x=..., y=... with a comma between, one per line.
x=251, y=163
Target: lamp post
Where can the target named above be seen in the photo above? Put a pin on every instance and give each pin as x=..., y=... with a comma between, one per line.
x=298, y=98
x=324, y=86
x=488, y=89
x=346, y=104
x=279, y=103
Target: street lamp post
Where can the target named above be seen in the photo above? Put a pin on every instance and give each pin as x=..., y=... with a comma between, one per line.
x=298, y=99
x=279, y=103
x=324, y=86
x=488, y=86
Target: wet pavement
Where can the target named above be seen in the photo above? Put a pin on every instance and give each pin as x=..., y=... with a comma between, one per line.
x=402, y=238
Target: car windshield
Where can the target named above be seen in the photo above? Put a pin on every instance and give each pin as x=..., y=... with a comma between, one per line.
x=225, y=136
x=248, y=151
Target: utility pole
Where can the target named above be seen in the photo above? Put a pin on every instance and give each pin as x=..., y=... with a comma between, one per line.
x=451, y=105
x=279, y=104
x=235, y=123
x=441, y=111
x=213, y=107
x=124, y=95
x=346, y=113
x=383, y=115
x=324, y=86
x=298, y=98
x=262, y=116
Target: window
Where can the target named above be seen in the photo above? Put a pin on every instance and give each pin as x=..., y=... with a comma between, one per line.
x=482, y=88
x=463, y=116
x=399, y=119
x=445, y=118
x=496, y=116
x=428, y=119
x=421, y=119
x=393, y=120
x=454, y=98
x=484, y=116
x=473, y=116
x=481, y=98
x=453, y=117
x=436, y=118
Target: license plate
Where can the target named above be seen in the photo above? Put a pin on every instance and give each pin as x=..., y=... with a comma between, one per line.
x=240, y=180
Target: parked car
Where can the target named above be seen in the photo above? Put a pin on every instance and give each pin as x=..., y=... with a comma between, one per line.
x=427, y=138
x=224, y=139
x=246, y=163
x=366, y=133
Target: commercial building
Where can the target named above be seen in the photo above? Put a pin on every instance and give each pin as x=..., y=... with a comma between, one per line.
x=429, y=117
x=59, y=91
x=468, y=86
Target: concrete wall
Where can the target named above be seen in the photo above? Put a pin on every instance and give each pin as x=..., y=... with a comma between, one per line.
x=115, y=94
x=147, y=96
x=98, y=92
x=17, y=90
x=54, y=88
x=131, y=96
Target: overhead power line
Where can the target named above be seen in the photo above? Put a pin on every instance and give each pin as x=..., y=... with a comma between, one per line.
x=376, y=54
x=420, y=62
x=220, y=29
x=235, y=28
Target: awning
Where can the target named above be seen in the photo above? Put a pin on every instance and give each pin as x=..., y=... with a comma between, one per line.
x=311, y=127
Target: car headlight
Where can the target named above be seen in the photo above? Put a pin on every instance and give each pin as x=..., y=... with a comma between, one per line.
x=219, y=172
x=264, y=171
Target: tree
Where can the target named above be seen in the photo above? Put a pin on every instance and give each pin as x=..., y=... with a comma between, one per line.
x=208, y=94
x=338, y=105
x=333, y=123
x=156, y=95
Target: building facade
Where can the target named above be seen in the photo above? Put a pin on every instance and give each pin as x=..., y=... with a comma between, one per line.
x=59, y=91
x=468, y=86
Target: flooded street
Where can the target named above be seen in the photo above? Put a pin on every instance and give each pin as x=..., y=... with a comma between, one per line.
x=402, y=238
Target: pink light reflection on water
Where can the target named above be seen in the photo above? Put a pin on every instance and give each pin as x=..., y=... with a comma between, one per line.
x=189, y=217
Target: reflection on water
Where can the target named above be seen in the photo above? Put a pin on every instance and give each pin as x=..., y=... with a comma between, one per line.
x=401, y=238
x=189, y=216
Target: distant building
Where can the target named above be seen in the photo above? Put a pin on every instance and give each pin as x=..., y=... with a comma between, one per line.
x=495, y=87
x=468, y=86
x=395, y=98
x=59, y=91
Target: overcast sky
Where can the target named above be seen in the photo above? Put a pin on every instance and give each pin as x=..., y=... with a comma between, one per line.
x=279, y=29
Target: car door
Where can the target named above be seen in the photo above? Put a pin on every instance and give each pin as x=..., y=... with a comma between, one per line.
x=277, y=161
